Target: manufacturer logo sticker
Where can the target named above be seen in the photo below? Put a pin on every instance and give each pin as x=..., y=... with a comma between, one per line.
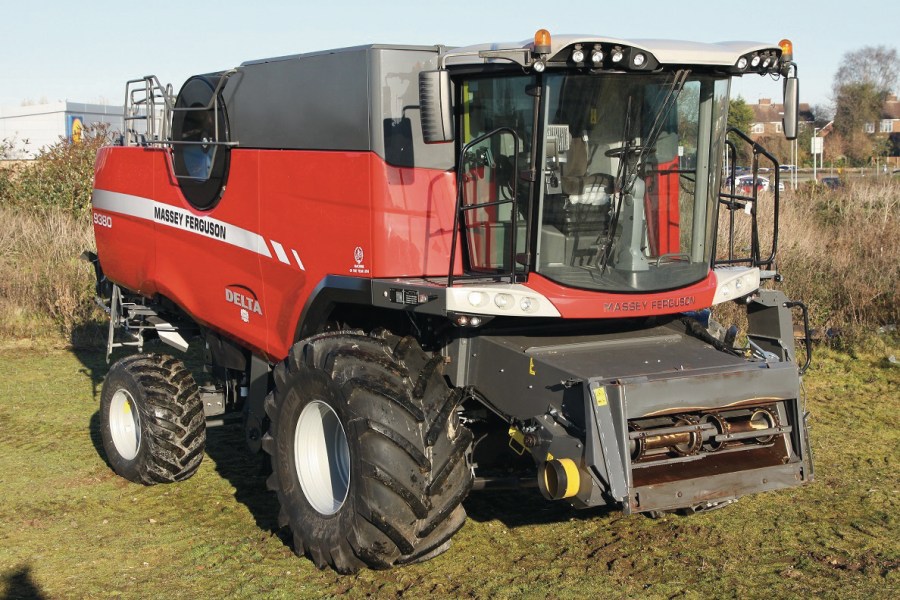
x=359, y=257
x=244, y=298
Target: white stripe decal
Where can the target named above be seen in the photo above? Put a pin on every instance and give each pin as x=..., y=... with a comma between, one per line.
x=172, y=216
x=297, y=258
x=279, y=251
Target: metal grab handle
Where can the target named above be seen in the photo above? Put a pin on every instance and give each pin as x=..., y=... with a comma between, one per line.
x=673, y=256
x=807, y=337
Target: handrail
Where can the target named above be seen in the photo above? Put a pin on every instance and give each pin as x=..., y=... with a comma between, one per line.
x=213, y=101
x=807, y=336
x=154, y=93
x=732, y=200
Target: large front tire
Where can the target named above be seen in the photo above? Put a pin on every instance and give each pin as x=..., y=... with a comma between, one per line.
x=369, y=462
x=151, y=419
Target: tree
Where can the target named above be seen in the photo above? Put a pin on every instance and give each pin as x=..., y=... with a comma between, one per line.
x=877, y=66
x=740, y=117
x=861, y=84
x=61, y=176
x=855, y=105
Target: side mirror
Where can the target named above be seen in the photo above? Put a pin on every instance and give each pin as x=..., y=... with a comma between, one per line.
x=791, y=107
x=436, y=106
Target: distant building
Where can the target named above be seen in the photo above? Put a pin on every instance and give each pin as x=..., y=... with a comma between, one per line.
x=888, y=125
x=767, y=118
x=890, y=117
x=33, y=127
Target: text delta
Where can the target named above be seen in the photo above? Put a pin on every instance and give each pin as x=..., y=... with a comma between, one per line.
x=245, y=302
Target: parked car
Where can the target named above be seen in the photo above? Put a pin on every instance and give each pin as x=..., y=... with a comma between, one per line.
x=745, y=183
x=787, y=168
x=832, y=182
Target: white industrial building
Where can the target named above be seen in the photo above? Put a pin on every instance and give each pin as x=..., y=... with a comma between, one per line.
x=30, y=128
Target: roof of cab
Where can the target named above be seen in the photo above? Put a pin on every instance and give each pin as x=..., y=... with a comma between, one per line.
x=672, y=52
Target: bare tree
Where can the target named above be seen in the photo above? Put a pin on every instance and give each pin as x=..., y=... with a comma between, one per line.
x=877, y=66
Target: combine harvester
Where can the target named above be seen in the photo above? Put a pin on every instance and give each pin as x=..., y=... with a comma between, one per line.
x=416, y=271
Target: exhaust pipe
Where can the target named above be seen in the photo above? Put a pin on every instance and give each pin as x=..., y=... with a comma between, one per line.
x=559, y=479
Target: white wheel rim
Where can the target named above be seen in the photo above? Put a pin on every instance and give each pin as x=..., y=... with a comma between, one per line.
x=124, y=424
x=322, y=457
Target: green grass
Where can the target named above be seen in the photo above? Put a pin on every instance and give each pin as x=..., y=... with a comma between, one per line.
x=70, y=528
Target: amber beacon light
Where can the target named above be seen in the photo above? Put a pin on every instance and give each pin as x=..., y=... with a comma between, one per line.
x=541, y=41
x=787, y=50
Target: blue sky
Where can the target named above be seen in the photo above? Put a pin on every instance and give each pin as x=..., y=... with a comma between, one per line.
x=85, y=52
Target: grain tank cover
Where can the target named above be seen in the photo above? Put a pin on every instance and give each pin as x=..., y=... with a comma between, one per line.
x=354, y=99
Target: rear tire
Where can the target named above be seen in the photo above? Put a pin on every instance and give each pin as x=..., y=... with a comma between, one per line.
x=369, y=462
x=151, y=420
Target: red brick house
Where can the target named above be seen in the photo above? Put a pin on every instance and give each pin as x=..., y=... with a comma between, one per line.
x=889, y=125
x=767, y=118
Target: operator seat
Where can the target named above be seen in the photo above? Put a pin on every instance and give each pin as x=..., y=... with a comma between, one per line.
x=580, y=186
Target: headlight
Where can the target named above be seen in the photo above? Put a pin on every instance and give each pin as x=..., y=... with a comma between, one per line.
x=503, y=301
x=528, y=304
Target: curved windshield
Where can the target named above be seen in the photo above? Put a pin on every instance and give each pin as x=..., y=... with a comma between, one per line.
x=629, y=179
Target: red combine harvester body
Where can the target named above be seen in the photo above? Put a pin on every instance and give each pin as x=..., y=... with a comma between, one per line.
x=403, y=262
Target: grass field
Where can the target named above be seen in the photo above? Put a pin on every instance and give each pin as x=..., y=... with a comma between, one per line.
x=70, y=528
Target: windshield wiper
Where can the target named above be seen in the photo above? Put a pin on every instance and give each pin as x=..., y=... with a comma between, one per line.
x=625, y=175
x=668, y=103
x=618, y=186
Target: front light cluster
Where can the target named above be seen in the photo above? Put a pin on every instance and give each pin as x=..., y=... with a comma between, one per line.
x=498, y=300
x=762, y=61
x=503, y=301
x=735, y=282
x=580, y=52
x=616, y=57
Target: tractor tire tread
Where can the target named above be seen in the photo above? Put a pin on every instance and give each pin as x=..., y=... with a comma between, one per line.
x=413, y=457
